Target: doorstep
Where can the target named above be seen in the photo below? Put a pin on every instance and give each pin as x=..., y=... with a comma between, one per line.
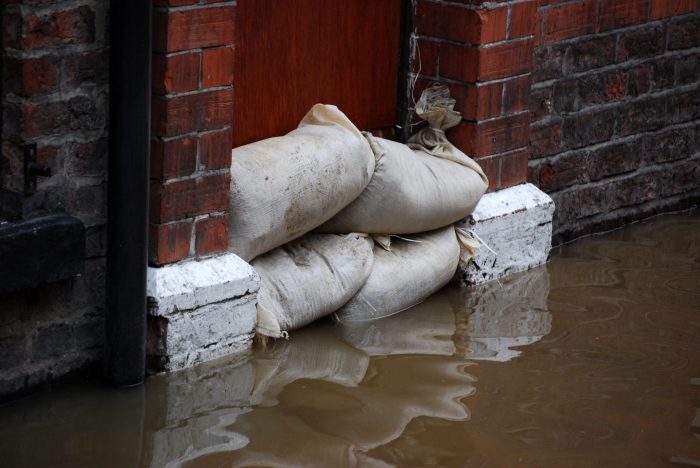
x=515, y=224
x=200, y=310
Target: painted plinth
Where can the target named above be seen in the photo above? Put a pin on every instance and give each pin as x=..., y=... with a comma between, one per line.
x=200, y=310
x=516, y=225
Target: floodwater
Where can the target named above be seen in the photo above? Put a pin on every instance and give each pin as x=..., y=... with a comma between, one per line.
x=593, y=360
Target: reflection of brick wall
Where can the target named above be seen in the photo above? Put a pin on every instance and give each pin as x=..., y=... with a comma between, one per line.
x=616, y=110
x=192, y=114
x=54, y=93
x=484, y=53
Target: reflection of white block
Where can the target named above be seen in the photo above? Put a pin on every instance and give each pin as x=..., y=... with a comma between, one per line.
x=200, y=310
x=516, y=224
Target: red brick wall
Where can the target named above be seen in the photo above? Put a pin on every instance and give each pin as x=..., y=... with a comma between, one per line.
x=615, y=110
x=191, y=128
x=484, y=54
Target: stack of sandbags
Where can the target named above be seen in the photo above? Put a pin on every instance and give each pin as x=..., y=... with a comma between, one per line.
x=309, y=278
x=425, y=186
x=327, y=175
x=283, y=187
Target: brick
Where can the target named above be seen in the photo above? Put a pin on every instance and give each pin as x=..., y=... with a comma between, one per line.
x=468, y=63
x=173, y=158
x=523, y=18
x=492, y=136
x=587, y=128
x=664, y=73
x=175, y=73
x=492, y=169
x=614, y=85
x=548, y=64
x=211, y=235
x=39, y=75
x=540, y=104
x=590, y=54
x=670, y=145
x=85, y=68
x=545, y=140
x=193, y=28
x=591, y=90
x=476, y=101
x=505, y=60
x=427, y=56
x=217, y=67
x=474, y=26
x=639, y=79
x=564, y=96
x=648, y=114
x=684, y=34
x=188, y=198
x=640, y=43
x=215, y=150
x=665, y=8
x=615, y=14
x=563, y=171
x=59, y=28
x=52, y=341
x=687, y=69
x=513, y=169
x=517, y=95
x=614, y=159
x=169, y=243
x=191, y=113
x=683, y=107
x=86, y=159
x=569, y=20
x=78, y=113
x=459, y=62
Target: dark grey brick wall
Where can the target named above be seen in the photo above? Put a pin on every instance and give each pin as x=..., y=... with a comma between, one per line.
x=55, y=69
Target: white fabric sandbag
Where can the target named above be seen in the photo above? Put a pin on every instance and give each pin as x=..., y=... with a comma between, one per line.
x=309, y=278
x=413, y=269
x=420, y=187
x=284, y=187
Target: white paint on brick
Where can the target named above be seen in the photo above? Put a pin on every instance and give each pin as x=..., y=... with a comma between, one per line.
x=209, y=307
x=516, y=223
x=190, y=285
x=210, y=332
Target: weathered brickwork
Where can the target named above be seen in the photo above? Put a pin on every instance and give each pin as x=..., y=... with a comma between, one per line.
x=615, y=105
x=55, y=69
x=483, y=51
x=192, y=115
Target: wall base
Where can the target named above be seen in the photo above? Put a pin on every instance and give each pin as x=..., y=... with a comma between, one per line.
x=200, y=310
x=516, y=224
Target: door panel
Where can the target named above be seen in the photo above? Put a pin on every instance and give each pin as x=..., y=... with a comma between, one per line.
x=291, y=54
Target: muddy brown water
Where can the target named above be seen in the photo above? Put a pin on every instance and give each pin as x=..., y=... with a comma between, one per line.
x=593, y=360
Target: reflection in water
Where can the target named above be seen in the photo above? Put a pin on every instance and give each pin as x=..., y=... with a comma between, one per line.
x=591, y=361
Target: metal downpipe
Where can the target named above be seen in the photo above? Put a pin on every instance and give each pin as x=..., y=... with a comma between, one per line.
x=127, y=220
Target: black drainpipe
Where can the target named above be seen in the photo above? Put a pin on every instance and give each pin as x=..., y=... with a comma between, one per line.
x=127, y=222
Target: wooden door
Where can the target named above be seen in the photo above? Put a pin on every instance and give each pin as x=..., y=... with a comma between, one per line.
x=291, y=54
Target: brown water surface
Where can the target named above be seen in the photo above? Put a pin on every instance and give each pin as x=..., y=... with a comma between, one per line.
x=593, y=360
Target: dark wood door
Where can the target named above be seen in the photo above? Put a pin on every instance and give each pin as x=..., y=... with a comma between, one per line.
x=291, y=54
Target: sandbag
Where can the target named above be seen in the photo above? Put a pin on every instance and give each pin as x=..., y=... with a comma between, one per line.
x=309, y=278
x=284, y=187
x=416, y=188
x=404, y=276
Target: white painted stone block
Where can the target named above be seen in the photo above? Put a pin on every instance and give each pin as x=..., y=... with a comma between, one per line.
x=189, y=285
x=204, y=309
x=516, y=225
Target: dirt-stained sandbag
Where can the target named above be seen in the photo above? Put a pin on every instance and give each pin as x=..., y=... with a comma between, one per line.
x=309, y=278
x=418, y=187
x=415, y=267
x=284, y=187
